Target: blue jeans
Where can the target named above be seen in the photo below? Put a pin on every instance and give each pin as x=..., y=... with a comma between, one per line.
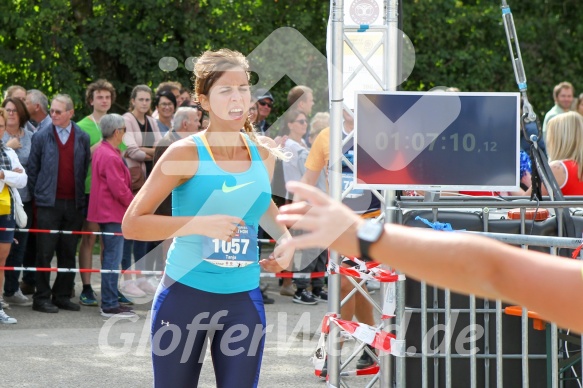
x=16, y=256
x=139, y=248
x=112, y=255
x=143, y=259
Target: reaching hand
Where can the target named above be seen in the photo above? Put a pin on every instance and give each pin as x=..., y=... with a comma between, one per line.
x=326, y=223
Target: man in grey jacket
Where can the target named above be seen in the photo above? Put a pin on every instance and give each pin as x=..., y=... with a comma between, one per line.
x=57, y=168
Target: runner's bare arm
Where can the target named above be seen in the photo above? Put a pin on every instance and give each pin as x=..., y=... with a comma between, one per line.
x=178, y=164
x=551, y=286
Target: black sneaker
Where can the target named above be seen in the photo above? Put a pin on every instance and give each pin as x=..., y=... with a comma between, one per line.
x=365, y=359
x=267, y=299
x=320, y=295
x=119, y=311
x=304, y=297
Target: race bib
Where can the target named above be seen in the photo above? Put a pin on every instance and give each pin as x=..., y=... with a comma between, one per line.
x=239, y=252
x=347, y=178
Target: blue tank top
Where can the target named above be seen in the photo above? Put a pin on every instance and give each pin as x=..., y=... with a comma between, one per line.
x=213, y=191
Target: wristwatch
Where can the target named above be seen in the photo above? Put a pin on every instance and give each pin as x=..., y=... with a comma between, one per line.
x=369, y=233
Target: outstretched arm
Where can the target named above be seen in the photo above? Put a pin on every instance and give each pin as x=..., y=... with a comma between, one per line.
x=551, y=286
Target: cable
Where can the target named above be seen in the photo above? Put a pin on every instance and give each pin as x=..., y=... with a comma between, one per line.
x=572, y=366
x=534, y=215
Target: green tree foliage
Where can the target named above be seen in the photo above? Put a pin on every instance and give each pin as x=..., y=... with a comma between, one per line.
x=463, y=44
x=62, y=45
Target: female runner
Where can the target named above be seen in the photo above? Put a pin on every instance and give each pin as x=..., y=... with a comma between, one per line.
x=220, y=184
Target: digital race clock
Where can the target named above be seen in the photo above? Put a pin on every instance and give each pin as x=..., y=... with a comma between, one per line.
x=437, y=140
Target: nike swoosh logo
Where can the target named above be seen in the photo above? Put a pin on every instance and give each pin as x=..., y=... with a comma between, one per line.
x=228, y=189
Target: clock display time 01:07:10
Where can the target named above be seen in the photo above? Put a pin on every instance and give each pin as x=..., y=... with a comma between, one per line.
x=432, y=141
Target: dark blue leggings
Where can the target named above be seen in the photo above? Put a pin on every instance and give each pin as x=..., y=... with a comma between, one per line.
x=184, y=317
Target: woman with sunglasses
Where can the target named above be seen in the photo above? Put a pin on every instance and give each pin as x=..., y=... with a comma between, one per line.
x=12, y=175
x=294, y=127
x=111, y=194
x=220, y=184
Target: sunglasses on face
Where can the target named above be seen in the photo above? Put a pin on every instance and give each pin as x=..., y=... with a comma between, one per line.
x=11, y=111
x=264, y=103
x=56, y=112
x=301, y=121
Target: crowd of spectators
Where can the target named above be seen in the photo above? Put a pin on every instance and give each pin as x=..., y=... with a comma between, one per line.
x=82, y=175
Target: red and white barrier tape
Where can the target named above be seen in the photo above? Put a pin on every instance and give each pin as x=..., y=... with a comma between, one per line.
x=295, y=275
x=375, y=337
x=371, y=370
x=378, y=339
x=82, y=270
x=299, y=275
x=366, y=270
x=83, y=232
x=51, y=231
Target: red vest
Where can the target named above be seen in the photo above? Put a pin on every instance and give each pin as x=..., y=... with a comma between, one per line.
x=66, y=175
x=572, y=185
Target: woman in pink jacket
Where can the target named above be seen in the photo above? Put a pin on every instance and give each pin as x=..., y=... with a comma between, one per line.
x=111, y=195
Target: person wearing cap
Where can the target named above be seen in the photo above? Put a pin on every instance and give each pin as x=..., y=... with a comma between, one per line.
x=265, y=102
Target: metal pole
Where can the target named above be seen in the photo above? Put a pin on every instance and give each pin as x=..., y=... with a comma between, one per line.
x=336, y=92
x=447, y=338
x=499, y=349
x=424, y=345
x=473, y=371
x=392, y=73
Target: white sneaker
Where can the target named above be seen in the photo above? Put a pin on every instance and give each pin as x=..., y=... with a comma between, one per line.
x=18, y=299
x=146, y=286
x=5, y=319
x=3, y=305
x=130, y=289
x=154, y=281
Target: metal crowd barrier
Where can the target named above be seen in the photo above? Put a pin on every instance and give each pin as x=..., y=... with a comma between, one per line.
x=496, y=349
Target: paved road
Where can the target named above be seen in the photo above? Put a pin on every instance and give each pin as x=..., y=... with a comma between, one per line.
x=83, y=349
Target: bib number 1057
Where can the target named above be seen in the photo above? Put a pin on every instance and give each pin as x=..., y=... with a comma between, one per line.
x=241, y=251
x=233, y=247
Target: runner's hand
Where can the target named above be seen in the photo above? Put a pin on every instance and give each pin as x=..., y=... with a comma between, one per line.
x=326, y=223
x=279, y=260
x=221, y=226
